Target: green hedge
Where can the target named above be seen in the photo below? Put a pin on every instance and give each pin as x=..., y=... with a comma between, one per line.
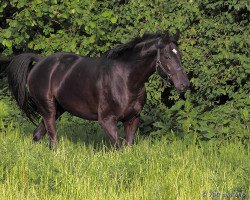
x=214, y=40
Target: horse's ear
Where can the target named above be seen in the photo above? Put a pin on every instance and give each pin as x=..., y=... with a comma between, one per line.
x=164, y=39
x=177, y=35
x=166, y=36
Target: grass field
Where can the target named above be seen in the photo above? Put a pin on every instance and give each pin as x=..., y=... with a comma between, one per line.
x=151, y=169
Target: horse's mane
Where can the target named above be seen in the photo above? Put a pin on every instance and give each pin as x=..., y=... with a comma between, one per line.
x=120, y=49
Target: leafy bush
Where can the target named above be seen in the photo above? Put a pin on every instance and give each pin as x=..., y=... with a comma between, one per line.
x=215, y=44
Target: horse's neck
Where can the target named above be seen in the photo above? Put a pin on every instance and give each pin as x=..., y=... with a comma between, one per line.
x=141, y=71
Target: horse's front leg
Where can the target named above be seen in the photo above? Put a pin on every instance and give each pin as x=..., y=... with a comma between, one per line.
x=109, y=124
x=130, y=128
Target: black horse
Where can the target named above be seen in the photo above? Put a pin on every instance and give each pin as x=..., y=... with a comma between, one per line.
x=109, y=88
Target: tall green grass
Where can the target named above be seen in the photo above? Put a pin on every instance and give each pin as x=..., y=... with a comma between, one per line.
x=151, y=169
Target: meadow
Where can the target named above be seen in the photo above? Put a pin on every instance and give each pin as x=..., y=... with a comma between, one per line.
x=84, y=166
x=196, y=147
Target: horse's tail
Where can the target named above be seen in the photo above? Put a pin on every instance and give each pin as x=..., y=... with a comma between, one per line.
x=17, y=72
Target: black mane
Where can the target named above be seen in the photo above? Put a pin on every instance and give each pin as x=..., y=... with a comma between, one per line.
x=120, y=49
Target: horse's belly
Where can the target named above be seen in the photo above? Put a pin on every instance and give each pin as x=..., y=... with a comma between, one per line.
x=81, y=104
x=84, y=115
x=79, y=109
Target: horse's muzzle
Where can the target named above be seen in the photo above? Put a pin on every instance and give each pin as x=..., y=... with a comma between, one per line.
x=183, y=86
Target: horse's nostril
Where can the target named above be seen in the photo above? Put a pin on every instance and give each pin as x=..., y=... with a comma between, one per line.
x=184, y=86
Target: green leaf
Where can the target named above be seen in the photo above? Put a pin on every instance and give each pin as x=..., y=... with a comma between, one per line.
x=7, y=33
x=113, y=20
x=92, y=24
x=8, y=43
x=107, y=13
x=38, y=1
x=92, y=39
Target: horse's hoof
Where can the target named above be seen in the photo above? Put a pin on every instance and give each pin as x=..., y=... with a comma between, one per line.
x=53, y=145
x=36, y=138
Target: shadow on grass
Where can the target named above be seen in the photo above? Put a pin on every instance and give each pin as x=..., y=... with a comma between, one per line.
x=76, y=130
x=82, y=131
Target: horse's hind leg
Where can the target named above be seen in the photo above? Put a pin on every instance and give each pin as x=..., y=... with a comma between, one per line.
x=40, y=131
x=47, y=109
x=50, y=124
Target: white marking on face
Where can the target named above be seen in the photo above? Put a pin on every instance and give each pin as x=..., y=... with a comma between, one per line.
x=175, y=51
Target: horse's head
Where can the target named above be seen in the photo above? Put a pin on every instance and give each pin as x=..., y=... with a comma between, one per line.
x=169, y=63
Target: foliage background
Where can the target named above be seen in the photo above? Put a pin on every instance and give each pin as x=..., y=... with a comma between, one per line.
x=214, y=41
